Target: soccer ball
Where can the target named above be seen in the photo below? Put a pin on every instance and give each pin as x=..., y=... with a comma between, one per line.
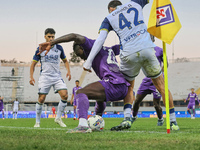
x=96, y=123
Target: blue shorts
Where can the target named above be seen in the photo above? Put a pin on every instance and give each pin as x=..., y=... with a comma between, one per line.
x=114, y=92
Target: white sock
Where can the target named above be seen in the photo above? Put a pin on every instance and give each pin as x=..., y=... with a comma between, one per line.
x=16, y=115
x=61, y=107
x=172, y=117
x=38, y=112
x=127, y=112
x=83, y=122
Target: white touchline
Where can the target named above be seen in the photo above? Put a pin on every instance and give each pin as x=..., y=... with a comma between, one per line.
x=33, y=128
x=66, y=129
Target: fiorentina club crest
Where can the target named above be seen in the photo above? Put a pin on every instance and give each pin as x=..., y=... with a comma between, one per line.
x=164, y=15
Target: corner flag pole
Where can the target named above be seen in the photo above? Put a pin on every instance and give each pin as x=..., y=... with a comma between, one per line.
x=166, y=88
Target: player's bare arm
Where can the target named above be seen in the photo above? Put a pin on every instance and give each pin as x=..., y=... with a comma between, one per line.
x=79, y=39
x=68, y=69
x=32, y=69
x=72, y=99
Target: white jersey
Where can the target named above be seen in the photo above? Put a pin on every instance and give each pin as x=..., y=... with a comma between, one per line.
x=50, y=64
x=128, y=22
x=16, y=105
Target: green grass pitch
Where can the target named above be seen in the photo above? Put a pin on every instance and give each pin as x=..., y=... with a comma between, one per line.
x=144, y=135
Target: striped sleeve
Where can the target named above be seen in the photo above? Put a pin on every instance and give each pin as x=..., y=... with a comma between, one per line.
x=36, y=57
x=142, y=3
x=106, y=25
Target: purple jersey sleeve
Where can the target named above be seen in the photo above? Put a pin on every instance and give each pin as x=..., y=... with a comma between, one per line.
x=142, y=3
x=106, y=25
x=116, y=49
x=62, y=55
x=36, y=57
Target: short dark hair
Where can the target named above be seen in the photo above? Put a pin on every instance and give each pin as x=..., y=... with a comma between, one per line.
x=77, y=81
x=49, y=30
x=114, y=3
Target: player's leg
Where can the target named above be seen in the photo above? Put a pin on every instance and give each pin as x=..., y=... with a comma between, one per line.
x=151, y=68
x=61, y=107
x=44, y=87
x=74, y=109
x=16, y=113
x=156, y=102
x=188, y=109
x=130, y=67
x=138, y=100
x=128, y=101
x=159, y=84
x=61, y=88
x=158, y=109
x=13, y=114
x=193, y=109
x=39, y=105
x=100, y=107
x=92, y=91
x=3, y=113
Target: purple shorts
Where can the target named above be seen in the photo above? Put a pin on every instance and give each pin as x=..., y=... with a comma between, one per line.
x=191, y=106
x=114, y=92
x=156, y=94
x=148, y=88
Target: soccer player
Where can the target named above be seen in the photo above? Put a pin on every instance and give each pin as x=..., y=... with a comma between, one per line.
x=74, y=96
x=191, y=97
x=1, y=106
x=50, y=76
x=16, y=107
x=137, y=50
x=147, y=87
x=111, y=87
x=54, y=111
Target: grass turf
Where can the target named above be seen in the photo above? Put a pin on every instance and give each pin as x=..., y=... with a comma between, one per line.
x=144, y=134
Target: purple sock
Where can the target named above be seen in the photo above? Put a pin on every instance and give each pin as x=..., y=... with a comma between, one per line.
x=189, y=112
x=82, y=105
x=74, y=112
x=193, y=112
x=99, y=108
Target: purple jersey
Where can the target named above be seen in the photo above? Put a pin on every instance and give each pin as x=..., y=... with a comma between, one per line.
x=1, y=104
x=146, y=82
x=74, y=91
x=191, y=97
x=105, y=64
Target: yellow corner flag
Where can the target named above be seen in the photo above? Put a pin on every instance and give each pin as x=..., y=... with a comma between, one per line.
x=164, y=24
x=163, y=21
